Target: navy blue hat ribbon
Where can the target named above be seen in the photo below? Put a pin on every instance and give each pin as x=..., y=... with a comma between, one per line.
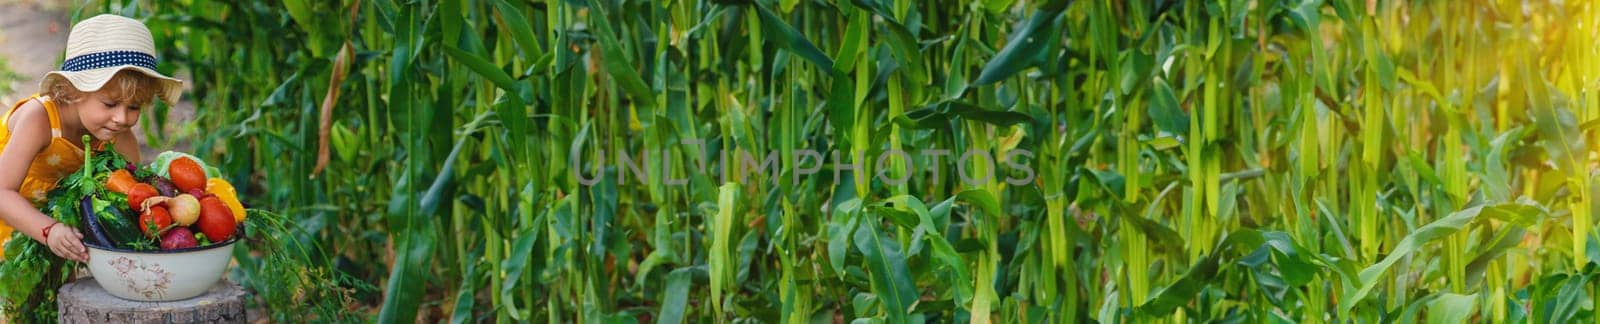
x=107, y=59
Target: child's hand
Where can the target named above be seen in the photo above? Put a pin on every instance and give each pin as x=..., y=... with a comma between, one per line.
x=67, y=242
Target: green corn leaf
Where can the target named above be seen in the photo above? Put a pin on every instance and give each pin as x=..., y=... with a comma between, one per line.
x=840, y=228
x=790, y=39
x=516, y=263
x=1412, y=242
x=942, y=250
x=618, y=64
x=984, y=200
x=851, y=46
x=887, y=265
x=722, y=268
x=676, y=296
x=1165, y=112
x=520, y=29
x=876, y=7
x=1451, y=308
x=1022, y=48
x=905, y=47
x=841, y=103
x=1201, y=273
x=407, y=278
x=488, y=71
x=462, y=312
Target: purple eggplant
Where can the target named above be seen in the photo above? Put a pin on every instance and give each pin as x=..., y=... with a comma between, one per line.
x=91, y=224
x=109, y=226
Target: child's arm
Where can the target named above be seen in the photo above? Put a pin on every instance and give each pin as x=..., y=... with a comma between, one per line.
x=128, y=146
x=30, y=134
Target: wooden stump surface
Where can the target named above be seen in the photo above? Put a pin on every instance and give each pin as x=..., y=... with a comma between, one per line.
x=84, y=301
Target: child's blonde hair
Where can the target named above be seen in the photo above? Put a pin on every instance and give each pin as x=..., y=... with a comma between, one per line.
x=129, y=87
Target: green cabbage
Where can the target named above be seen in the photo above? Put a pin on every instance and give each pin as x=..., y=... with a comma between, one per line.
x=160, y=163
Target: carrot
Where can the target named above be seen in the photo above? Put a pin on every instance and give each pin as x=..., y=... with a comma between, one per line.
x=120, y=181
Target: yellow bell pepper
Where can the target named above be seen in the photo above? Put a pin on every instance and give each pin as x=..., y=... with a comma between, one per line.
x=224, y=191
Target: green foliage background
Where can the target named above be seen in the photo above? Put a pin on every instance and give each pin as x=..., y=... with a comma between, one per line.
x=1264, y=160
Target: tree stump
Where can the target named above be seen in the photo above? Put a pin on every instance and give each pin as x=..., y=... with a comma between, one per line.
x=84, y=301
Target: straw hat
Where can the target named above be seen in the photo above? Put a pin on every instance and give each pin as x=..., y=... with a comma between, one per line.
x=101, y=46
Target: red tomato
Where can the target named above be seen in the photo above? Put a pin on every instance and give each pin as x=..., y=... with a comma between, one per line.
x=154, y=221
x=138, y=193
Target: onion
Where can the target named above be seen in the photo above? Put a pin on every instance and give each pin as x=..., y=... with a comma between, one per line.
x=185, y=209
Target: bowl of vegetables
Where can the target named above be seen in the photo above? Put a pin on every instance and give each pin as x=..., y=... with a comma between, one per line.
x=160, y=232
x=164, y=275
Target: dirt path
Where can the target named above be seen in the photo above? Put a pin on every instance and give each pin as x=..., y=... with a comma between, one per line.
x=33, y=35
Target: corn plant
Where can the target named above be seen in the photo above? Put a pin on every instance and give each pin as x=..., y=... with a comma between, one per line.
x=1148, y=161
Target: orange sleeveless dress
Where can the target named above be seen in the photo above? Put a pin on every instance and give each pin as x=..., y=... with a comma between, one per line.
x=60, y=158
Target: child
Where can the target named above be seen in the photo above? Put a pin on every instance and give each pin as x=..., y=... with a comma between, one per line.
x=108, y=76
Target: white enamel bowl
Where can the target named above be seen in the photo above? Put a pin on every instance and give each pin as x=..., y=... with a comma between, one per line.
x=163, y=275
